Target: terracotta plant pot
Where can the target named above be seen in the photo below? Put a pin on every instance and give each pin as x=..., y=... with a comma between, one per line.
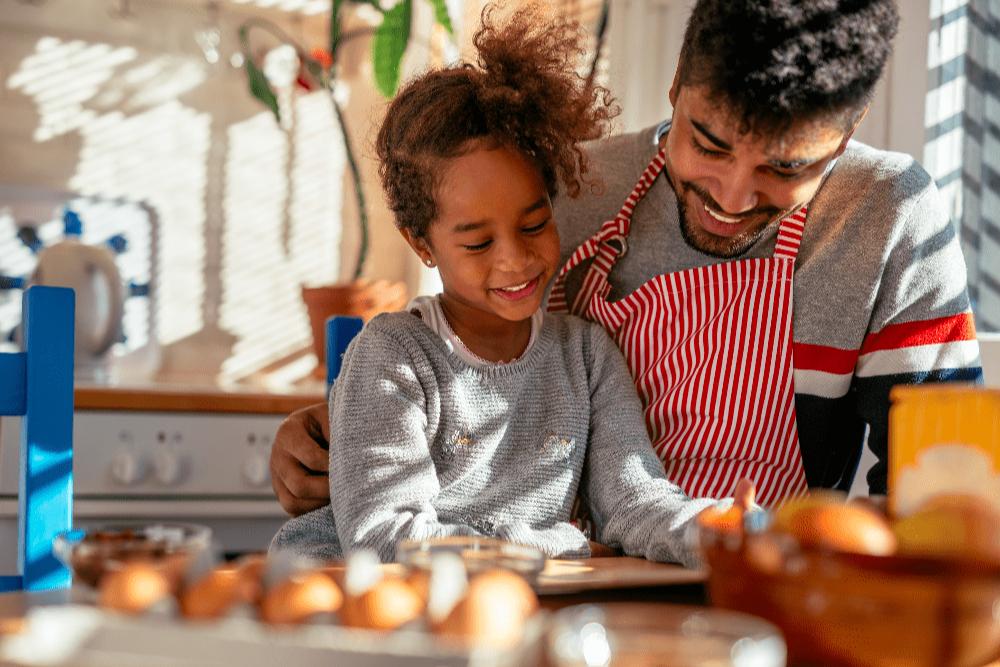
x=361, y=298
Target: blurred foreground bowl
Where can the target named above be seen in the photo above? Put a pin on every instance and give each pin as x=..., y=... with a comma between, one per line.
x=169, y=547
x=853, y=610
x=658, y=635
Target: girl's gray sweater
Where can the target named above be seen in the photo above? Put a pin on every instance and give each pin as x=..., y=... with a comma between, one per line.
x=423, y=446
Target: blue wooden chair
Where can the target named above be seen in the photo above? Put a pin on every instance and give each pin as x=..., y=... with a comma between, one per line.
x=37, y=384
x=340, y=331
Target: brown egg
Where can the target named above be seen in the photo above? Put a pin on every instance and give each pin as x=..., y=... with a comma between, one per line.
x=951, y=526
x=134, y=588
x=299, y=597
x=216, y=593
x=493, y=612
x=251, y=569
x=840, y=527
x=724, y=521
x=420, y=582
x=385, y=606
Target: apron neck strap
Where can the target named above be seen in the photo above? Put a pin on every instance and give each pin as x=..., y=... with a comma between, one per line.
x=790, y=234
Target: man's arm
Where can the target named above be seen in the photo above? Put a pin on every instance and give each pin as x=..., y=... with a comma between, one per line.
x=922, y=328
x=299, y=460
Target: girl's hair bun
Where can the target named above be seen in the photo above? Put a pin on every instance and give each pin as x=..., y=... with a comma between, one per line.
x=523, y=91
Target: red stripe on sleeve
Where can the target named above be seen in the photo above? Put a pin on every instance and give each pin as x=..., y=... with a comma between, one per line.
x=923, y=332
x=822, y=358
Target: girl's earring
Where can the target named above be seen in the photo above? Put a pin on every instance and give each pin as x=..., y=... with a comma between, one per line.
x=429, y=262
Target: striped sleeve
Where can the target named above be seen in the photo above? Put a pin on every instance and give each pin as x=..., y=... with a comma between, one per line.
x=921, y=329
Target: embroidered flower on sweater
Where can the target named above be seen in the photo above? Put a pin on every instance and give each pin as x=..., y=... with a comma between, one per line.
x=558, y=446
x=457, y=442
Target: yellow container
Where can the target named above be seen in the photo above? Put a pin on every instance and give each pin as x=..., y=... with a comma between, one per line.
x=943, y=439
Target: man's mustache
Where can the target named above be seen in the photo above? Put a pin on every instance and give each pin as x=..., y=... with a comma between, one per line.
x=708, y=200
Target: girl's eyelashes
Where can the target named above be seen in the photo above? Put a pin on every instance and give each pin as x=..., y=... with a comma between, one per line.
x=534, y=229
x=479, y=246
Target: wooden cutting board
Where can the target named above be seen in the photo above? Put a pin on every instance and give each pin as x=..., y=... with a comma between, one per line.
x=561, y=577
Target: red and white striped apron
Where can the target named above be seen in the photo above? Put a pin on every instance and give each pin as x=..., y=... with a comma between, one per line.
x=710, y=351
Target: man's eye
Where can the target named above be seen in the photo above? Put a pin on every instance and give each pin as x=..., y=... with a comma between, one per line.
x=705, y=151
x=479, y=246
x=536, y=228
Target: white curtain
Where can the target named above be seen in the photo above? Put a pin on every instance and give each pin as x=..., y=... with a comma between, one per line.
x=962, y=151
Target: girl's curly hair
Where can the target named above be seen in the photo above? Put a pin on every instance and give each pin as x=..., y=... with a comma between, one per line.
x=522, y=92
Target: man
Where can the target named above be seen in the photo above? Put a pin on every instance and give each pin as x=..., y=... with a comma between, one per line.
x=767, y=279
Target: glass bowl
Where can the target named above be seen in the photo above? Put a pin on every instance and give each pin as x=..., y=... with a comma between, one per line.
x=478, y=553
x=171, y=547
x=661, y=635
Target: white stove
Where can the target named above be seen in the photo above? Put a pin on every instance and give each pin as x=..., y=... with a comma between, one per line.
x=164, y=464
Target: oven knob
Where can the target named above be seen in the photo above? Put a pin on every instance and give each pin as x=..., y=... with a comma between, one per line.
x=128, y=468
x=168, y=468
x=256, y=471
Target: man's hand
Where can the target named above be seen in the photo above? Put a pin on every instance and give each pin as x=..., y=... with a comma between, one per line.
x=299, y=460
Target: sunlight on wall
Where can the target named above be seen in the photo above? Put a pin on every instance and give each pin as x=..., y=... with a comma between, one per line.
x=301, y=6
x=61, y=76
x=158, y=156
x=282, y=203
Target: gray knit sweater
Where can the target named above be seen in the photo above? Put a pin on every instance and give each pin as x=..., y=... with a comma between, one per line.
x=424, y=445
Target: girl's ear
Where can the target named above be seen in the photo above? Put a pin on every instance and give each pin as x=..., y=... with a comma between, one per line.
x=420, y=246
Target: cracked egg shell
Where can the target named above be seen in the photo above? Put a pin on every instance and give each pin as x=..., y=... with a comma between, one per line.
x=387, y=605
x=300, y=596
x=492, y=612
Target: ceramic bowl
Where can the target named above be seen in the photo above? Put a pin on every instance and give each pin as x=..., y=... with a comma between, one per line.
x=853, y=610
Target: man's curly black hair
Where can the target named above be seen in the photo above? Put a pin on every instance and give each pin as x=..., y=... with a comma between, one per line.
x=775, y=62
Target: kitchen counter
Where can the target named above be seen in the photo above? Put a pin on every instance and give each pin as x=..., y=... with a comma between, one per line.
x=199, y=397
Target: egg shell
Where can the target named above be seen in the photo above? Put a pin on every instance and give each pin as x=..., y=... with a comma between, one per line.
x=726, y=521
x=387, y=605
x=951, y=526
x=251, y=569
x=134, y=588
x=215, y=594
x=420, y=582
x=299, y=597
x=841, y=527
x=493, y=612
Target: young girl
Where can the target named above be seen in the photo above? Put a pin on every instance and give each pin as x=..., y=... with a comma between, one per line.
x=472, y=413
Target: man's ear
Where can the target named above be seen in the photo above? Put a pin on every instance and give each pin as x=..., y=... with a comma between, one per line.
x=850, y=133
x=420, y=246
x=675, y=87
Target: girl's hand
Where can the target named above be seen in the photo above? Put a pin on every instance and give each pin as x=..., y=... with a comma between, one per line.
x=299, y=460
x=745, y=495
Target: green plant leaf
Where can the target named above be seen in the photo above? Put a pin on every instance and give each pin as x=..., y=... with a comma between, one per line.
x=389, y=45
x=335, y=25
x=260, y=88
x=441, y=15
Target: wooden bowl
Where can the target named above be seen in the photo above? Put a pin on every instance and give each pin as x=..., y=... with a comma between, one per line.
x=855, y=610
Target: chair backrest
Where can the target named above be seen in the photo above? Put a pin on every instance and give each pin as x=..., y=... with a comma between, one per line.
x=37, y=385
x=340, y=331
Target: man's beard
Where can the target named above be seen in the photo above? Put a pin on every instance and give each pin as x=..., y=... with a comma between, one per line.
x=718, y=246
